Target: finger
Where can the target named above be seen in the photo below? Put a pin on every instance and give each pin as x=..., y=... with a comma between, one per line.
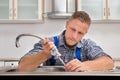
x=70, y=62
x=50, y=45
x=68, y=66
x=45, y=41
x=73, y=65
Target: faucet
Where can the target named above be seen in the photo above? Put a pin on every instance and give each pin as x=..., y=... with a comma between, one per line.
x=54, y=51
x=21, y=35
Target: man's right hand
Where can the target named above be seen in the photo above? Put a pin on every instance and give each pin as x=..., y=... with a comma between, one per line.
x=47, y=46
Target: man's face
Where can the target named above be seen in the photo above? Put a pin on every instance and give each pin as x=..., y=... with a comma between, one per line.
x=75, y=30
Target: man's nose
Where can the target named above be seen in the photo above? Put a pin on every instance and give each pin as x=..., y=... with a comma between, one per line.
x=75, y=35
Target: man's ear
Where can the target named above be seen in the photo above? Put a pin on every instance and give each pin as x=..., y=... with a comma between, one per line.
x=67, y=23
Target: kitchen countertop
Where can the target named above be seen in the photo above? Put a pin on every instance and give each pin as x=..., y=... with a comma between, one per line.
x=9, y=59
x=53, y=71
x=86, y=73
x=58, y=74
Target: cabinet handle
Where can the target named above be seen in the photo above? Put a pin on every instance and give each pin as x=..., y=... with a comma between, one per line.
x=104, y=11
x=15, y=12
x=10, y=12
x=109, y=11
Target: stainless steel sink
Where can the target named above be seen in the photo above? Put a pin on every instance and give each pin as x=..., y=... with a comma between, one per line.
x=47, y=69
x=43, y=69
x=58, y=71
x=50, y=69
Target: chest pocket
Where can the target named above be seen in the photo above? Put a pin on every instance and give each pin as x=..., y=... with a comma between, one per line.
x=77, y=52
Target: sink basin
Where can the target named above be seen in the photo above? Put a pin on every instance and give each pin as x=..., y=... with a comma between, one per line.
x=50, y=69
x=44, y=69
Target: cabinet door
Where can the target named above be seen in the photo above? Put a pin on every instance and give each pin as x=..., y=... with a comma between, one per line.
x=21, y=11
x=114, y=9
x=95, y=8
x=4, y=9
x=11, y=64
x=26, y=9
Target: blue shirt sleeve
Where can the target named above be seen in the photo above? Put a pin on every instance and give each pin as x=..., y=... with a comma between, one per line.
x=37, y=48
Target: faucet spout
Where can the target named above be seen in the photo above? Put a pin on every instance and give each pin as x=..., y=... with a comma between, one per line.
x=21, y=35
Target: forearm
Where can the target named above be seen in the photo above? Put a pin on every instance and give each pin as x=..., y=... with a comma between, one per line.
x=101, y=63
x=31, y=62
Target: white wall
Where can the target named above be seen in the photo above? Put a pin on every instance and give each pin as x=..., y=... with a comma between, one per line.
x=106, y=35
x=9, y=32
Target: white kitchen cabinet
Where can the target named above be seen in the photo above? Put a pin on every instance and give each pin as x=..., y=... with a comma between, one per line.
x=21, y=11
x=1, y=64
x=94, y=8
x=11, y=64
x=100, y=10
x=114, y=9
x=4, y=9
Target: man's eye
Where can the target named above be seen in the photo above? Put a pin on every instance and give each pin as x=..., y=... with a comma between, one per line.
x=73, y=29
x=81, y=33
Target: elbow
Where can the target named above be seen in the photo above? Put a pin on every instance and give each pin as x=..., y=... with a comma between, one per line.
x=111, y=64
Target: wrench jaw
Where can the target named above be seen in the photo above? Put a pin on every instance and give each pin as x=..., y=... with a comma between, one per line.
x=55, y=53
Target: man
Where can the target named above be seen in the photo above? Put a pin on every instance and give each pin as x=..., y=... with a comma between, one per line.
x=78, y=54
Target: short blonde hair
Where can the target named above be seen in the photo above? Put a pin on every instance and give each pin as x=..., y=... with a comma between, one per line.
x=82, y=16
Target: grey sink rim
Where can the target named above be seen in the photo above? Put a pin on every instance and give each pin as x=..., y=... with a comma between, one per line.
x=43, y=69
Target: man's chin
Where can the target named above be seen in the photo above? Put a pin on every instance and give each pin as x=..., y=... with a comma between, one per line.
x=71, y=45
